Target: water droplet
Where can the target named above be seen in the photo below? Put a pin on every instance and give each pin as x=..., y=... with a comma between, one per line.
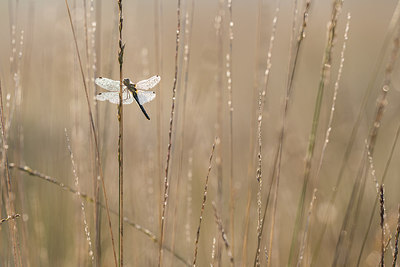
x=385, y=88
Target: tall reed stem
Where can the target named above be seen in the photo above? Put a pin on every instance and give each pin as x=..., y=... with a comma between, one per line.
x=169, y=148
x=203, y=204
x=120, y=144
x=230, y=106
x=10, y=209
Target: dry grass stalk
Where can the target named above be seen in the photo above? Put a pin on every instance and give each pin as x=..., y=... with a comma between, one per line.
x=15, y=107
x=76, y=181
x=203, y=204
x=230, y=107
x=335, y=92
x=333, y=107
x=382, y=223
x=396, y=241
x=213, y=253
x=189, y=198
x=171, y=121
x=372, y=168
x=159, y=64
x=185, y=68
x=98, y=159
x=92, y=48
x=261, y=101
x=382, y=102
x=120, y=142
x=252, y=147
x=223, y=234
x=305, y=234
x=10, y=209
x=219, y=77
x=10, y=217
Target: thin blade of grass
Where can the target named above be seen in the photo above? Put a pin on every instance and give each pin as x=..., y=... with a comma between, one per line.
x=171, y=123
x=196, y=243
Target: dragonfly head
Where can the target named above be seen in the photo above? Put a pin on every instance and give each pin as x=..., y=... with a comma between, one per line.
x=126, y=82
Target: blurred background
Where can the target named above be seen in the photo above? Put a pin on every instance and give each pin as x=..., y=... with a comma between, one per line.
x=43, y=94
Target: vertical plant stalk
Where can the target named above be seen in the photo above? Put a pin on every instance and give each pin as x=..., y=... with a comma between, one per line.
x=382, y=224
x=94, y=134
x=91, y=39
x=223, y=235
x=187, y=29
x=82, y=206
x=261, y=102
x=171, y=123
x=333, y=107
x=230, y=106
x=305, y=235
x=203, y=204
x=324, y=80
x=96, y=182
x=10, y=209
x=213, y=253
x=189, y=198
x=121, y=143
x=252, y=147
x=396, y=241
x=382, y=102
x=219, y=18
x=159, y=65
x=19, y=137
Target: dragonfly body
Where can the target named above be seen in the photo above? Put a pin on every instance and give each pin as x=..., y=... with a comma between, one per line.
x=130, y=91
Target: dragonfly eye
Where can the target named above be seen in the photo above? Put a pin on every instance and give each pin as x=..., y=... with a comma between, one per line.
x=126, y=82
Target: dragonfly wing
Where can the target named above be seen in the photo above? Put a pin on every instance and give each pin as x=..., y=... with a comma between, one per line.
x=145, y=96
x=108, y=84
x=113, y=97
x=149, y=83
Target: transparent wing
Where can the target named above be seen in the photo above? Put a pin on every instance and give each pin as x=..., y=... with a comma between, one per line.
x=145, y=96
x=113, y=97
x=149, y=83
x=108, y=84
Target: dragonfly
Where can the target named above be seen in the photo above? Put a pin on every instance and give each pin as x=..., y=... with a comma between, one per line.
x=130, y=91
